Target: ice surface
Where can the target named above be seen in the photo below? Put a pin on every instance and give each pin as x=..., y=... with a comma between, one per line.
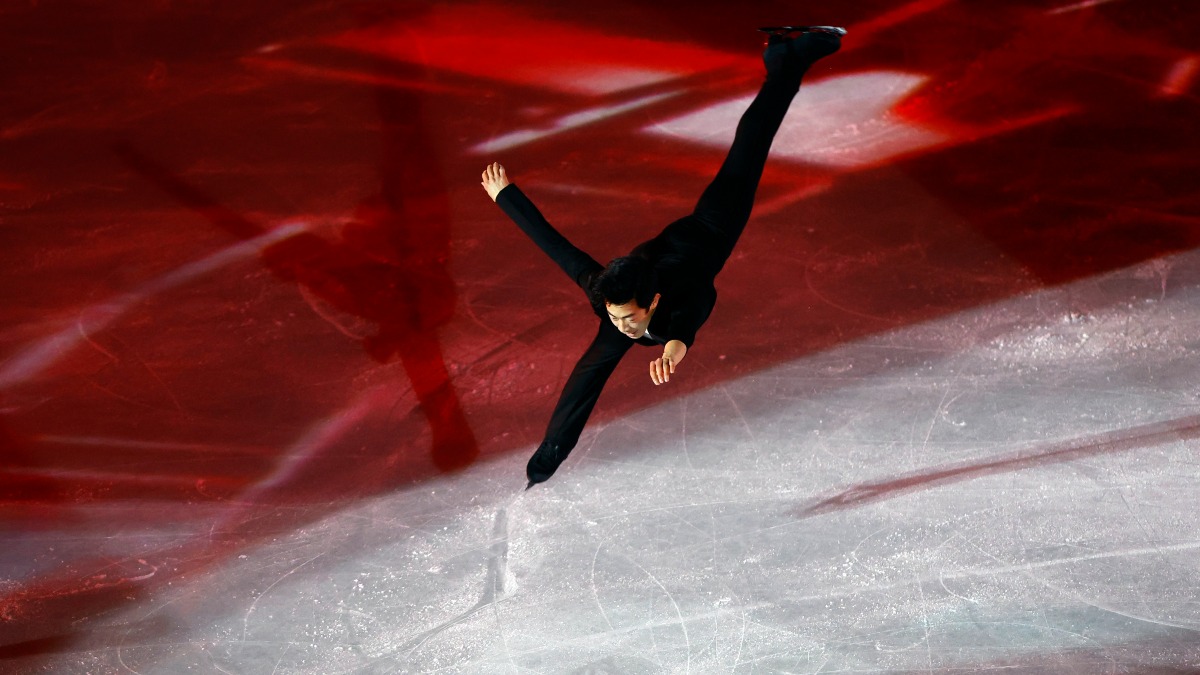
x=271, y=364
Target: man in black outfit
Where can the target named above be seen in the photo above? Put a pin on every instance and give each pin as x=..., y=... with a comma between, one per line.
x=662, y=292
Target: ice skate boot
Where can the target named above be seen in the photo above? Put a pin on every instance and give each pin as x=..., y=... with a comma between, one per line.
x=792, y=49
x=544, y=463
x=788, y=30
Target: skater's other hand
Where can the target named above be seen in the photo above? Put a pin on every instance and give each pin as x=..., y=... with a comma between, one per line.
x=494, y=179
x=661, y=369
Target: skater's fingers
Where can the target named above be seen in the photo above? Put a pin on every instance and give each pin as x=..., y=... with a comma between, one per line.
x=659, y=371
x=493, y=179
x=494, y=173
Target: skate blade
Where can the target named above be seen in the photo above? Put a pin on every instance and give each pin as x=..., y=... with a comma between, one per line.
x=784, y=30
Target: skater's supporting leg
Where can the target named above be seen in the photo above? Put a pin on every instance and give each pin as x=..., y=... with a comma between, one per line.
x=575, y=403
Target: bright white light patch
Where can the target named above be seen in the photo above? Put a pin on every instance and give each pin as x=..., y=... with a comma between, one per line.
x=1086, y=4
x=845, y=122
x=598, y=80
x=573, y=121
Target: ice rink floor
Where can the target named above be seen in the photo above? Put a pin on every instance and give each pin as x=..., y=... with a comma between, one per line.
x=271, y=363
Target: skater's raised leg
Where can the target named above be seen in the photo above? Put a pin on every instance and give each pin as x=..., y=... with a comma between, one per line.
x=724, y=207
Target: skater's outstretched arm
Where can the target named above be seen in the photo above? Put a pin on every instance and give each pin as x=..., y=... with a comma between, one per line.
x=581, y=267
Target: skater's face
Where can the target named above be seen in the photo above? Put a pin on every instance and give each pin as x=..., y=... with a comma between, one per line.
x=631, y=319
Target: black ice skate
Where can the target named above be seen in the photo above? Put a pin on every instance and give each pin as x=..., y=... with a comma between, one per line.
x=786, y=31
x=791, y=50
x=544, y=463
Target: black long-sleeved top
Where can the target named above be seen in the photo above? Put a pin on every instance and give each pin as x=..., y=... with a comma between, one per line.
x=685, y=269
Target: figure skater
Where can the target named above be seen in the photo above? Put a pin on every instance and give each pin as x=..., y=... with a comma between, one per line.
x=662, y=292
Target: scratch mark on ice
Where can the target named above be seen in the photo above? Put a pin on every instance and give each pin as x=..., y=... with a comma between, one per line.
x=495, y=586
x=253, y=605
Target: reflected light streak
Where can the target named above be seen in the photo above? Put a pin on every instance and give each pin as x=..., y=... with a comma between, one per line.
x=166, y=446
x=1181, y=76
x=1086, y=4
x=318, y=438
x=506, y=45
x=845, y=122
x=603, y=79
x=573, y=121
x=784, y=201
x=36, y=358
x=894, y=17
x=356, y=76
x=110, y=477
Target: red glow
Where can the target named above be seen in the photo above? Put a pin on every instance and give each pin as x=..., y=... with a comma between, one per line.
x=897, y=16
x=532, y=52
x=1181, y=76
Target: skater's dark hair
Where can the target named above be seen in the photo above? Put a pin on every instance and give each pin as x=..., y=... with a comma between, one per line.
x=626, y=278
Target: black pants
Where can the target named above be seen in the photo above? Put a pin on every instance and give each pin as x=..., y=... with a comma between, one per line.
x=714, y=226
x=705, y=237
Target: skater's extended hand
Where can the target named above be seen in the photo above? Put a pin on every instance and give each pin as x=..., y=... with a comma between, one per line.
x=661, y=369
x=494, y=179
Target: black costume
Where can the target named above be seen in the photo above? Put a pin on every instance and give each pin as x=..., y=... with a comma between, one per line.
x=687, y=254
